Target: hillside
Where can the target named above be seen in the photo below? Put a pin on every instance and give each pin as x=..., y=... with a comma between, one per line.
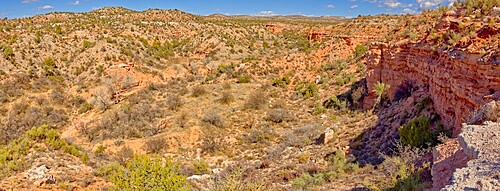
x=115, y=98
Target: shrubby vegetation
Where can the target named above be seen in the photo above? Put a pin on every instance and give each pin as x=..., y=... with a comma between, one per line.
x=380, y=90
x=281, y=82
x=214, y=119
x=307, y=90
x=12, y=155
x=234, y=181
x=360, y=50
x=244, y=79
x=417, y=133
x=256, y=100
x=145, y=173
x=483, y=5
x=23, y=116
x=403, y=171
x=198, y=91
x=132, y=118
x=279, y=115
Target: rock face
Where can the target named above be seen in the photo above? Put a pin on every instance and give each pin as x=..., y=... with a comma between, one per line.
x=482, y=172
x=446, y=158
x=459, y=82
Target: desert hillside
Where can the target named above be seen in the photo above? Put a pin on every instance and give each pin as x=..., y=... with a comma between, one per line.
x=165, y=100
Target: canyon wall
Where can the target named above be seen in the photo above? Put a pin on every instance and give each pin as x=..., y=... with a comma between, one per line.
x=459, y=82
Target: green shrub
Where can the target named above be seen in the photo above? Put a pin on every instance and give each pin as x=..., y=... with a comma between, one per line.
x=380, y=89
x=412, y=35
x=58, y=30
x=336, y=66
x=483, y=5
x=423, y=103
x=417, y=133
x=100, y=150
x=345, y=78
x=281, y=82
x=318, y=109
x=158, y=50
x=87, y=44
x=107, y=170
x=234, y=181
x=249, y=59
x=244, y=79
x=85, y=158
x=8, y=52
x=144, y=173
x=110, y=40
x=85, y=107
x=223, y=68
x=338, y=162
x=335, y=103
x=402, y=174
x=360, y=50
x=306, y=180
x=200, y=167
x=49, y=67
x=303, y=158
x=307, y=90
x=12, y=155
x=38, y=37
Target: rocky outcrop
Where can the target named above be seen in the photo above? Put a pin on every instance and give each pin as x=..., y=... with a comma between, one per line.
x=479, y=145
x=447, y=157
x=459, y=82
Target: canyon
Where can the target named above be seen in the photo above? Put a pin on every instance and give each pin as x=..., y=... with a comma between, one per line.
x=268, y=103
x=459, y=82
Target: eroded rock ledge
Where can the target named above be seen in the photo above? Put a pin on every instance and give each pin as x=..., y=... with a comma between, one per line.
x=459, y=82
x=479, y=145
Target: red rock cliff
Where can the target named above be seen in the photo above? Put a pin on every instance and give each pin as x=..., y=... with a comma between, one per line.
x=459, y=82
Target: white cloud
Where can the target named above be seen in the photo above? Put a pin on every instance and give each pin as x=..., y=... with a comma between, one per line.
x=46, y=7
x=393, y=4
x=409, y=11
x=430, y=4
x=354, y=6
x=29, y=1
x=330, y=6
x=76, y=3
x=266, y=13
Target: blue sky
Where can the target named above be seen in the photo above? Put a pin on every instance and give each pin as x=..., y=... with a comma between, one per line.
x=348, y=8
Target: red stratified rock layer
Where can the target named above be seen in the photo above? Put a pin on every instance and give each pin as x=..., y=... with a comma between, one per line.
x=459, y=82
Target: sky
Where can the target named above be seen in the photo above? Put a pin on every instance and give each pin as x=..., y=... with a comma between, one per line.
x=346, y=8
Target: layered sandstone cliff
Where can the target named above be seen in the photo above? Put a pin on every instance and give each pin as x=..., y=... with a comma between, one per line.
x=458, y=82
